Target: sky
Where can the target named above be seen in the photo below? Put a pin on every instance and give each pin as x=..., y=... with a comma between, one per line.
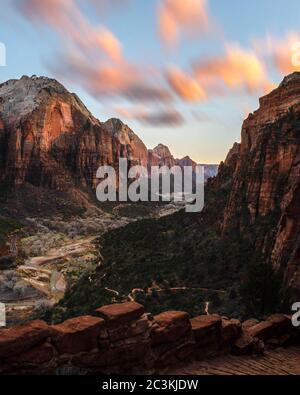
x=185, y=73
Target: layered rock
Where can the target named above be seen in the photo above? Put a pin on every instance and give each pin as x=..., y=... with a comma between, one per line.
x=124, y=339
x=266, y=181
x=161, y=156
x=49, y=138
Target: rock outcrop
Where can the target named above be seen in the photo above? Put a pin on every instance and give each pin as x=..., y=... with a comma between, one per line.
x=265, y=179
x=161, y=156
x=48, y=137
x=122, y=338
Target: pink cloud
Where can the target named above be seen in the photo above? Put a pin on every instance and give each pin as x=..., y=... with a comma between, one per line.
x=161, y=117
x=181, y=17
x=66, y=18
x=236, y=69
x=185, y=86
x=284, y=53
x=93, y=56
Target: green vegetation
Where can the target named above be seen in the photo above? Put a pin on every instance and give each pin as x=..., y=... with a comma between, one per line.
x=177, y=262
x=7, y=226
x=261, y=290
x=181, y=262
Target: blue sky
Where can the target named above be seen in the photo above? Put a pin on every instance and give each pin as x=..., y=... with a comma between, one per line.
x=206, y=125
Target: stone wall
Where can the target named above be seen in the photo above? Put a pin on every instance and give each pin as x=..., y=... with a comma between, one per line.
x=122, y=338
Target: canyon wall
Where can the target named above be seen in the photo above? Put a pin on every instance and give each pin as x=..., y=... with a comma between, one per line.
x=48, y=137
x=266, y=179
x=123, y=338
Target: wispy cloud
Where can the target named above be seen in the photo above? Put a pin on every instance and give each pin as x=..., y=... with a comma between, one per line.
x=93, y=56
x=284, y=52
x=236, y=69
x=177, y=18
x=66, y=18
x=161, y=117
x=185, y=86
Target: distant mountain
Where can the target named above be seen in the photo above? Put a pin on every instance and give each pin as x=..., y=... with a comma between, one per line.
x=48, y=138
x=161, y=156
x=242, y=251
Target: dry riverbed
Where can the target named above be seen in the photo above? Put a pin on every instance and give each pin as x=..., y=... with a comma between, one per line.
x=50, y=255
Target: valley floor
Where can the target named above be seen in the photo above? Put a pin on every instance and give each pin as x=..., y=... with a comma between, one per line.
x=274, y=362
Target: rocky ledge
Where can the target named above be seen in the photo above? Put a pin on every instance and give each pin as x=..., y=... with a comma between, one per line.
x=122, y=338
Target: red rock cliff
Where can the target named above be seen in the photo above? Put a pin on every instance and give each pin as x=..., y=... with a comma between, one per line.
x=49, y=138
x=266, y=177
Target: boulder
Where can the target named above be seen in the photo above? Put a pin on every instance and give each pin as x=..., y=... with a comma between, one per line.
x=275, y=326
x=207, y=334
x=19, y=339
x=41, y=353
x=281, y=323
x=113, y=358
x=231, y=330
x=169, y=327
x=249, y=323
x=246, y=345
x=77, y=335
x=119, y=314
x=135, y=329
x=206, y=327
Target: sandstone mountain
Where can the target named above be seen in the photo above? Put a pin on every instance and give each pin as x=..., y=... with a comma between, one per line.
x=161, y=156
x=266, y=178
x=243, y=250
x=50, y=139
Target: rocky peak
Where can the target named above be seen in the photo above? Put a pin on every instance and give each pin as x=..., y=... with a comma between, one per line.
x=233, y=155
x=291, y=79
x=163, y=151
x=161, y=156
x=19, y=98
x=114, y=125
x=186, y=161
x=278, y=103
x=127, y=141
x=49, y=138
x=120, y=130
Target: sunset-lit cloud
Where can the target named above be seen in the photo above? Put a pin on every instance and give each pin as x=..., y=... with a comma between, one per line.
x=66, y=18
x=185, y=86
x=182, y=17
x=284, y=52
x=237, y=69
x=161, y=117
x=109, y=44
x=200, y=64
x=93, y=56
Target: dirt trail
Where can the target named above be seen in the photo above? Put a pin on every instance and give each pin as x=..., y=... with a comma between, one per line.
x=70, y=249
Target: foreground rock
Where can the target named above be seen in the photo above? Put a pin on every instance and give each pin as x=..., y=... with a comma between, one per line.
x=122, y=338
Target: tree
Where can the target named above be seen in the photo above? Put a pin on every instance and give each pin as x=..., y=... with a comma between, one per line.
x=261, y=290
